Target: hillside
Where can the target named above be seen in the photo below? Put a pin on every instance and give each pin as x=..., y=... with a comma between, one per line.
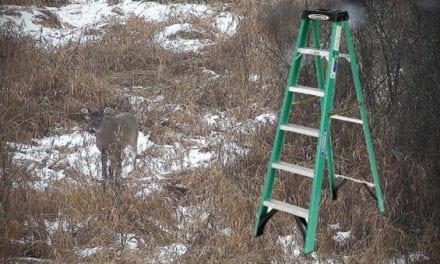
x=205, y=80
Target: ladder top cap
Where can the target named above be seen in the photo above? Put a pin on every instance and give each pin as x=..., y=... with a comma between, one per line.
x=325, y=15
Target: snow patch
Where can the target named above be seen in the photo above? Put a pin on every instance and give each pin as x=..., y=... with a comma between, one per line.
x=212, y=73
x=59, y=224
x=65, y=158
x=50, y=157
x=289, y=245
x=88, y=251
x=223, y=122
x=253, y=77
x=266, y=118
x=170, y=253
x=336, y=226
x=211, y=120
x=414, y=257
x=151, y=188
x=168, y=39
x=136, y=101
x=85, y=20
x=342, y=236
x=227, y=23
x=226, y=231
x=130, y=241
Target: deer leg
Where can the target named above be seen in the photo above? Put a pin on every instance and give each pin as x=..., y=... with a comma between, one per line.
x=118, y=166
x=104, y=158
x=112, y=168
x=134, y=157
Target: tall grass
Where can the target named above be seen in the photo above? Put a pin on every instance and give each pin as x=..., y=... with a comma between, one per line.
x=40, y=3
x=42, y=91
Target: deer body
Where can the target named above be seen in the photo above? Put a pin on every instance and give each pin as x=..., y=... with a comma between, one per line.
x=113, y=134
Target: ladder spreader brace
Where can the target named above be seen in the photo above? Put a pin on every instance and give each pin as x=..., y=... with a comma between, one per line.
x=308, y=218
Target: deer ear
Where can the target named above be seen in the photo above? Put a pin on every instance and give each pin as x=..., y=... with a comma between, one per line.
x=85, y=113
x=107, y=110
x=84, y=110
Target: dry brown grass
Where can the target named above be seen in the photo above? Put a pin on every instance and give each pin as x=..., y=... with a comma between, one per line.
x=40, y=3
x=41, y=93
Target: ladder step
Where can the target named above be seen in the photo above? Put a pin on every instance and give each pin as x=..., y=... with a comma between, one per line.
x=300, y=130
x=281, y=165
x=322, y=53
x=348, y=119
x=307, y=90
x=288, y=208
x=370, y=184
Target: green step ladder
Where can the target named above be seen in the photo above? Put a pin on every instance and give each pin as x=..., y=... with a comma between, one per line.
x=308, y=218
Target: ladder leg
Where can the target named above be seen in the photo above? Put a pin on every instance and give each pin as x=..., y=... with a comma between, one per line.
x=279, y=135
x=330, y=167
x=363, y=113
x=324, y=154
x=320, y=80
x=321, y=147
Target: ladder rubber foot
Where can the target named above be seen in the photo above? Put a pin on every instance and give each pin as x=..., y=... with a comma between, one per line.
x=302, y=225
x=263, y=221
x=334, y=195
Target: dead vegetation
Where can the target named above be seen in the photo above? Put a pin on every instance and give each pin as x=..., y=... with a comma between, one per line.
x=42, y=91
x=35, y=2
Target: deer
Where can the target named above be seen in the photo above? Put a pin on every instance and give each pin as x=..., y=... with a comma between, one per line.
x=113, y=134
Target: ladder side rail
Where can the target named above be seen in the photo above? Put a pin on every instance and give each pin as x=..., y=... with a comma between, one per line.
x=363, y=113
x=322, y=140
x=284, y=116
x=321, y=84
x=318, y=59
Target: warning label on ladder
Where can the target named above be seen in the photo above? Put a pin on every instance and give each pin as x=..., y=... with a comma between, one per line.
x=323, y=141
x=334, y=68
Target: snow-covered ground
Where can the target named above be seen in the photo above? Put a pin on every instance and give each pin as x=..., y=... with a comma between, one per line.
x=50, y=157
x=57, y=26
x=54, y=158
x=129, y=241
